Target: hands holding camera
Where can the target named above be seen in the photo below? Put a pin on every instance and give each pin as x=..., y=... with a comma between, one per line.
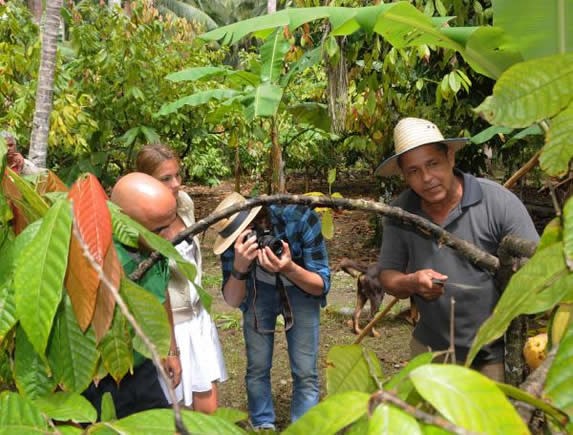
x=272, y=254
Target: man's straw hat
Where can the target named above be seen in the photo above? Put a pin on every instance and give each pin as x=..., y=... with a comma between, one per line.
x=228, y=229
x=412, y=133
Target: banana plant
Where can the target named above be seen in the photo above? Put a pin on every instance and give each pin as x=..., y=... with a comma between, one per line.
x=257, y=95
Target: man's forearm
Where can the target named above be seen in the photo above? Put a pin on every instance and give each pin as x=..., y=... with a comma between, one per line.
x=310, y=282
x=396, y=283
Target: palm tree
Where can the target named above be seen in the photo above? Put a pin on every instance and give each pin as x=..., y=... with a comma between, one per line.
x=41, y=123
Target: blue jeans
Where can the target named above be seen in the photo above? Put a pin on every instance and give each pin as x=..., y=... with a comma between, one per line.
x=302, y=341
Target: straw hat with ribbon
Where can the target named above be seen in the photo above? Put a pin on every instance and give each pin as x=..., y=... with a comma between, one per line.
x=412, y=133
x=228, y=229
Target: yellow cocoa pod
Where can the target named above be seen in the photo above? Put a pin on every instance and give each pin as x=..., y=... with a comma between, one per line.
x=535, y=350
x=560, y=322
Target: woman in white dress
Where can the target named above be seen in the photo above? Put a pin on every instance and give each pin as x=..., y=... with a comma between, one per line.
x=201, y=356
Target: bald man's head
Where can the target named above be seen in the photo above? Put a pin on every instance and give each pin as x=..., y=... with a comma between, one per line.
x=145, y=200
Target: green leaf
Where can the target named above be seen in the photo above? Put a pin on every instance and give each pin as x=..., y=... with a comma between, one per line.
x=313, y=114
x=327, y=224
x=33, y=204
x=107, y=407
x=31, y=373
x=197, y=99
x=67, y=406
x=544, y=30
x=559, y=383
x=19, y=415
x=558, y=149
x=454, y=81
x=150, y=134
x=72, y=354
x=552, y=233
x=307, y=60
x=543, y=270
x=197, y=73
x=150, y=315
x=488, y=133
x=389, y=420
x=115, y=348
x=273, y=52
x=122, y=227
x=331, y=415
x=352, y=368
x=568, y=232
x=401, y=382
x=160, y=421
x=40, y=272
x=7, y=309
x=231, y=415
x=530, y=91
x=267, y=98
x=130, y=135
x=462, y=395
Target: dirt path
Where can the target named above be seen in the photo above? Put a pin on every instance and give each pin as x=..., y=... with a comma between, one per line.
x=353, y=238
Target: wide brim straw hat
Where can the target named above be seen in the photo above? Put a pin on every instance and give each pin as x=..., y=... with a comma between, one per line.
x=411, y=133
x=228, y=229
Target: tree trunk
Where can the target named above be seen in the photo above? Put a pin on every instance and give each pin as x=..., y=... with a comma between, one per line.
x=41, y=123
x=277, y=166
x=337, y=89
x=35, y=7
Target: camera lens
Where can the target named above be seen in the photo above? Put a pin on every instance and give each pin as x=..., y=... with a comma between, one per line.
x=272, y=242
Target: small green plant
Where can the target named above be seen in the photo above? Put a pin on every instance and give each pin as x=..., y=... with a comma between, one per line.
x=226, y=321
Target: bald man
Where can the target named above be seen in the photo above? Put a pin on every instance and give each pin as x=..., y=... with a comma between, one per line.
x=150, y=203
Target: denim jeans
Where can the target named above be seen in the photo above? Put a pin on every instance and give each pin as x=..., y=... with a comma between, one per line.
x=302, y=341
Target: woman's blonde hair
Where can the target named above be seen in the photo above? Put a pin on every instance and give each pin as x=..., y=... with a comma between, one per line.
x=151, y=156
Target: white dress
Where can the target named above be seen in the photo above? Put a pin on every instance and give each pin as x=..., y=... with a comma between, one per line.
x=202, y=361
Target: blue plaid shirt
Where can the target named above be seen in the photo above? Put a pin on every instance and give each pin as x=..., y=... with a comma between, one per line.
x=300, y=227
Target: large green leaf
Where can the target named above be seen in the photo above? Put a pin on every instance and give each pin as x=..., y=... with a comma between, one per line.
x=7, y=309
x=468, y=399
x=115, y=348
x=352, y=368
x=331, y=415
x=545, y=28
x=150, y=316
x=160, y=421
x=266, y=100
x=529, y=92
x=67, y=407
x=184, y=10
x=313, y=114
x=273, y=52
x=400, y=383
x=389, y=420
x=558, y=150
x=559, y=383
x=197, y=73
x=40, y=272
x=197, y=99
x=71, y=353
x=542, y=271
x=19, y=415
x=31, y=372
x=568, y=232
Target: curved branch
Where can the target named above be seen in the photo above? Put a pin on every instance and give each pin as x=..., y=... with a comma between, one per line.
x=414, y=222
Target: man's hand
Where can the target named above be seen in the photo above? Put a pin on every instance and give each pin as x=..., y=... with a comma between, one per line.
x=245, y=251
x=269, y=261
x=423, y=285
x=172, y=366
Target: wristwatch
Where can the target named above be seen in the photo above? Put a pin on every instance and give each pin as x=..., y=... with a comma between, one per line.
x=241, y=276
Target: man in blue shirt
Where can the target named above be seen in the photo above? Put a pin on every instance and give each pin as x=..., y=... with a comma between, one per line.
x=274, y=261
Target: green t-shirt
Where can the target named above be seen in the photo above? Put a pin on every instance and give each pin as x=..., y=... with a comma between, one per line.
x=154, y=280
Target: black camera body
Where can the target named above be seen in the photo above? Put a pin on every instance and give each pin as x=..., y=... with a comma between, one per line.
x=265, y=238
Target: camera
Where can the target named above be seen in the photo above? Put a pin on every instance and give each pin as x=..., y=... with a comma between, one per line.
x=265, y=238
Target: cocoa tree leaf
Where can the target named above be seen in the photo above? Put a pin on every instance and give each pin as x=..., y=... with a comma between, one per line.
x=39, y=274
x=461, y=395
x=64, y=406
x=558, y=149
x=115, y=348
x=351, y=368
x=568, y=233
x=332, y=414
x=105, y=301
x=72, y=354
x=559, y=383
x=387, y=419
x=151, y=316
x=20, y=415
x=31, y=372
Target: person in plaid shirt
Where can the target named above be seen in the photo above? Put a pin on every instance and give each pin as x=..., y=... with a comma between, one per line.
x=274, y=262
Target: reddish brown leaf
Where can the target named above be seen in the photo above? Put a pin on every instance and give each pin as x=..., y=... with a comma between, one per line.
x=82, y=282
x=92, y=217
x=50, y=182
x=105, y=302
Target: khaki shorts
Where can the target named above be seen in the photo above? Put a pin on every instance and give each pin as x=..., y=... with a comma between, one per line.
x=494, y=371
